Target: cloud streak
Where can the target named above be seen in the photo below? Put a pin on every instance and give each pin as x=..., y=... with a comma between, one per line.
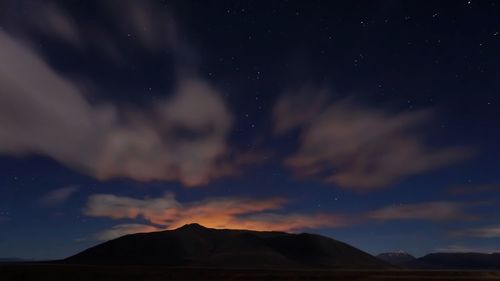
x=166, y=212
x=491, y=231
x=225, y=212
x=430, y=211
x=465, y=249
x=49, y=19
x=58, y=196
x=124, y=229
x=356, y=147
x=148, y=25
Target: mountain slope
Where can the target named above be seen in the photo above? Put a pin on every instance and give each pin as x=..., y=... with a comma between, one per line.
x=195, y=245
x=456, y=261
x=396, y=258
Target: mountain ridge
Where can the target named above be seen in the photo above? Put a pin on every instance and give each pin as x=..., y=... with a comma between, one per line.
x=467, y=260
x=196, y=245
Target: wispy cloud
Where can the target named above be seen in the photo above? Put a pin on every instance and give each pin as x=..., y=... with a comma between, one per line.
x=148, y=26
x=152, y=24
x=225, y=212
x=53, y=21
x=430, y=211
x=465, y=249
x=354, y=146
x=490, y=231
x=182, y=137
x=58, y=196
x=124, y=229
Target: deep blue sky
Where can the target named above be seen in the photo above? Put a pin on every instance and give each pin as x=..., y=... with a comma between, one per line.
x=372, y=122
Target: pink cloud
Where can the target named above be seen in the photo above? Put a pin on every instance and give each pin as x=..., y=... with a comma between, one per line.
x=228, y=212
x=357, y=147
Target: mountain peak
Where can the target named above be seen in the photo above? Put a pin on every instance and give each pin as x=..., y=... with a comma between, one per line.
x=396, y=258
x=192, y=226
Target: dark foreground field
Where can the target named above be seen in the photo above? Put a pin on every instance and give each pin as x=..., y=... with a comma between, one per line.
x=42, y=272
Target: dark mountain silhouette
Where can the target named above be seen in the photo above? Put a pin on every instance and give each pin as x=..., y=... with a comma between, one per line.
x=195, y=245
x=456, y=261
x=396, y=258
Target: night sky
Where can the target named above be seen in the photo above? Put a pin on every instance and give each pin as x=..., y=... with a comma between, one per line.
x=373, y=122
